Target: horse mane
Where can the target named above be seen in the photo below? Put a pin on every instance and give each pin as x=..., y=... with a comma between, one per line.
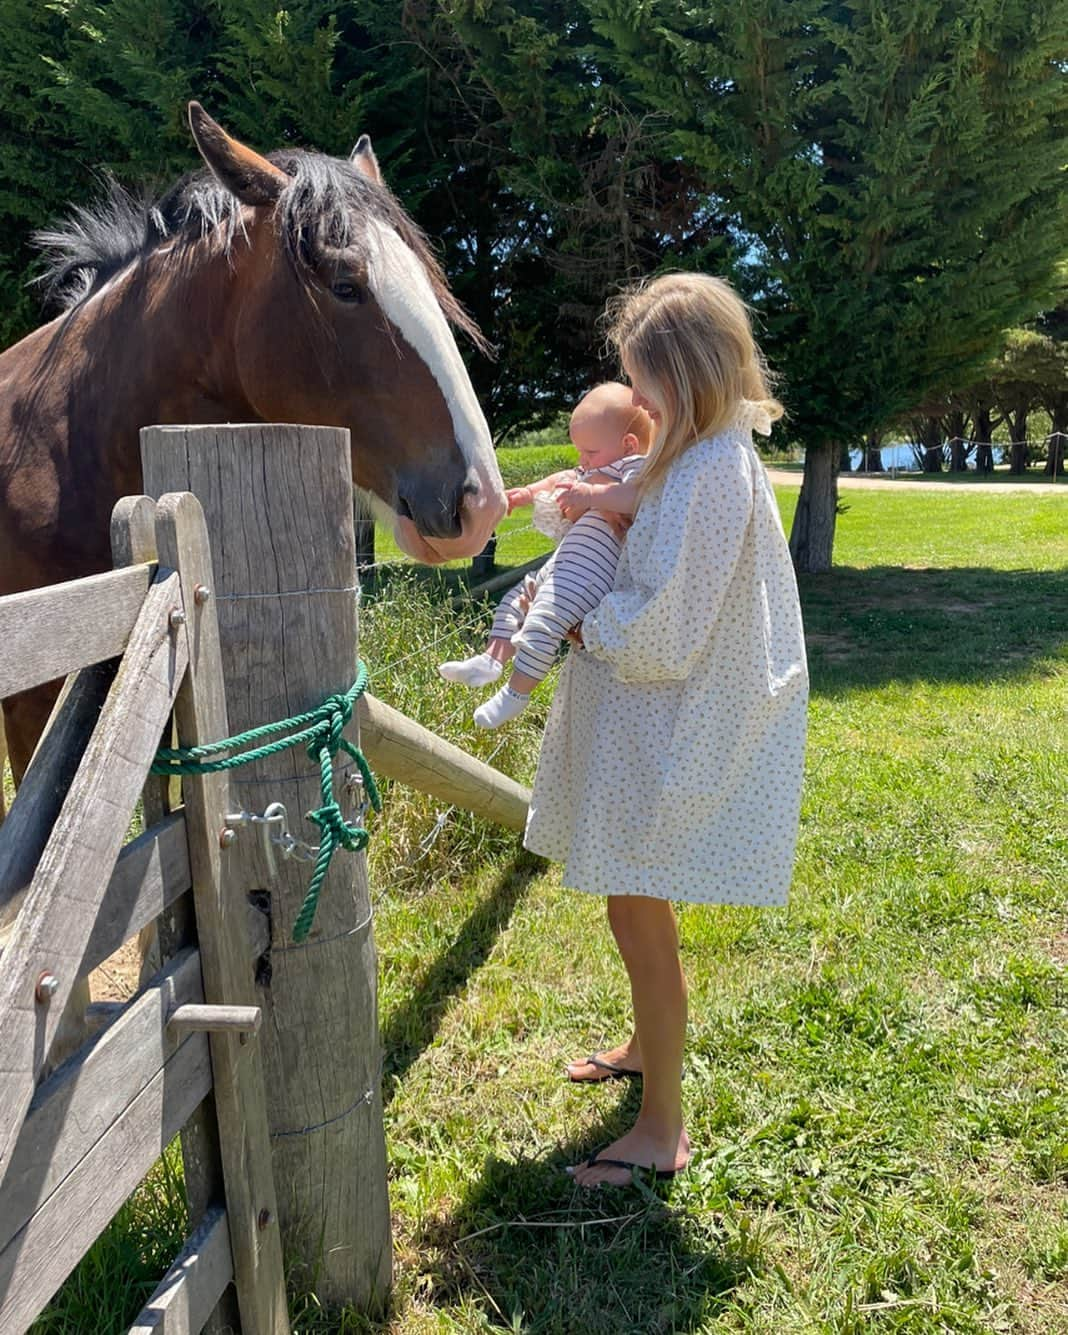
x=94, y=242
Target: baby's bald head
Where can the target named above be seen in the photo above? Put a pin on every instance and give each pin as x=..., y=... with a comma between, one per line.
x=607, y=424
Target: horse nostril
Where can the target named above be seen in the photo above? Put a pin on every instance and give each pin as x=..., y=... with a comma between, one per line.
x=435, y=511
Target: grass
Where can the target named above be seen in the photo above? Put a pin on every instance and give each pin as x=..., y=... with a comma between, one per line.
x=875, y=1075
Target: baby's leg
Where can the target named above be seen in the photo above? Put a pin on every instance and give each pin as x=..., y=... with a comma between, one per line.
x=484, y=668
x=581, y=574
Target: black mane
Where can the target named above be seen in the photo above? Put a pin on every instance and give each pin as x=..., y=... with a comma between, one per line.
x=94, y=243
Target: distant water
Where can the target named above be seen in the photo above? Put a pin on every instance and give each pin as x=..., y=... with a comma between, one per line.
x=894, y=456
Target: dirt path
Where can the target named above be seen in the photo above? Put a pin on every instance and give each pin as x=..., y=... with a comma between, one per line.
x=781, y=478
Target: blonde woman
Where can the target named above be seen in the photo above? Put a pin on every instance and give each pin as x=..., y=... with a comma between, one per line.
x=688, y=693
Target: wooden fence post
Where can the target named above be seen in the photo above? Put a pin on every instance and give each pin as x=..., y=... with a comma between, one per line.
x=278, y=504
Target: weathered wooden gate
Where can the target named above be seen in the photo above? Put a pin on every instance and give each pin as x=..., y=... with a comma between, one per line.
x=140, y=640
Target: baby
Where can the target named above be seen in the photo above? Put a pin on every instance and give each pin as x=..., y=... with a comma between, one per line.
x=612, y=437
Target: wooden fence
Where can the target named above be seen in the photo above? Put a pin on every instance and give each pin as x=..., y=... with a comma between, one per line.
x=188, y=1053
x=139, y=641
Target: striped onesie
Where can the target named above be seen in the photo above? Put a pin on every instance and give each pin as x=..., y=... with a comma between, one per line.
x=568, y=586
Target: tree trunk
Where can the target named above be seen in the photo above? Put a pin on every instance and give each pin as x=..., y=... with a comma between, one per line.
x=958, y=455
x=931, y=440
x=812, y=535
x=984, y=453
x=873, y=455
x=1018, y=451
x=845, y=461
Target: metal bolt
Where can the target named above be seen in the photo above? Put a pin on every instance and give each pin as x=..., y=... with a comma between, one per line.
x=47, y=987
x=201, y=594
x=263, y=1219
x=177, y=618
x=226, y=838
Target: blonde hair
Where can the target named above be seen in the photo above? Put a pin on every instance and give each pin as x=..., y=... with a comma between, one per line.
x=688, y=339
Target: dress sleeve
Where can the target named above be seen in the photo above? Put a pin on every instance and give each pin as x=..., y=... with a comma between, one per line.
x=659, y=630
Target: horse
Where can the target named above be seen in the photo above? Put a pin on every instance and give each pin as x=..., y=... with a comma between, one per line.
x=286, y=287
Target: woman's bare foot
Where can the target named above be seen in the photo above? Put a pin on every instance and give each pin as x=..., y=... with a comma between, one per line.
x=626, y=1057
x=639, y=1147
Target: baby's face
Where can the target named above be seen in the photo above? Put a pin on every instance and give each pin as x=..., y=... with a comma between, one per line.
x=598, y=444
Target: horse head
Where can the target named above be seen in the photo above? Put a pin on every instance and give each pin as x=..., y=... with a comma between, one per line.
x=341, y=318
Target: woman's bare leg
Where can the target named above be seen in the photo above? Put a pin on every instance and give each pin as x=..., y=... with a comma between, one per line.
x=647, y=935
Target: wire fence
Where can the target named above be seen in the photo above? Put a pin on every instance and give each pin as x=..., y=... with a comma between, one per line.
x=1039, y=450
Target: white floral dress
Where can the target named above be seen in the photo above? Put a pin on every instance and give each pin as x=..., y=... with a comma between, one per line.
x=687, y=711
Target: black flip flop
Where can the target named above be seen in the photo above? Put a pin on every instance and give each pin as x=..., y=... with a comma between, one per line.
x=611, y=1071
x=642, y=1170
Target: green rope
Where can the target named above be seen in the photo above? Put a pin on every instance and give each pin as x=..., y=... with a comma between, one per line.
x=322, y=730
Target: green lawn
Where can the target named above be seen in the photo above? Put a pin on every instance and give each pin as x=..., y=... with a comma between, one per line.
x=875, y=1083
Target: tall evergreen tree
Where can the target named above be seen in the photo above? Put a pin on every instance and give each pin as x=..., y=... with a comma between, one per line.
x=896, y=172
x=88, y=87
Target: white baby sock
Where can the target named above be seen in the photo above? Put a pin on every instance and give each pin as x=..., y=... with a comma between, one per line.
x=505, y=705
x=482, y=670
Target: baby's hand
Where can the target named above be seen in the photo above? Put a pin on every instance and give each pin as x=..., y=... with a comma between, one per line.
x=516, y=496
x=575, y=501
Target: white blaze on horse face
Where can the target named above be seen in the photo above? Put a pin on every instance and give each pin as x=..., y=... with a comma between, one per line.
x=402, y=289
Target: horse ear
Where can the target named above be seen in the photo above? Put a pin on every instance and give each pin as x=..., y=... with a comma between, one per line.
x=243, y=171
x=363, y=159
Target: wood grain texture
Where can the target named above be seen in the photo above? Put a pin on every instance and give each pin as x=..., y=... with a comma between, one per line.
x=44, y=787
x=279, y=506
x=193, y=1285
x=151, y=872
x=57, y=915
x=215, y=1019
x=402, y=749
x=222, y=932
x=50, y=632
x=77, y=1104
x=44, y=1251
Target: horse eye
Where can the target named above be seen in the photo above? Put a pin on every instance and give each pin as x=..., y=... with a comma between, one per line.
x=346, y=291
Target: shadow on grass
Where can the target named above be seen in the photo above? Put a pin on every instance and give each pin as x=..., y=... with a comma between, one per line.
x=536, y=1253
x=870, y=626
x=412, y=1025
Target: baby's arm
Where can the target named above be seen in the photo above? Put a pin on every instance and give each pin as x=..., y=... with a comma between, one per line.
x=617, y=498
x=517, y=496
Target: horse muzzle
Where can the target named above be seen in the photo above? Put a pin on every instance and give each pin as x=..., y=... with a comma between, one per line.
x=433, y=525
